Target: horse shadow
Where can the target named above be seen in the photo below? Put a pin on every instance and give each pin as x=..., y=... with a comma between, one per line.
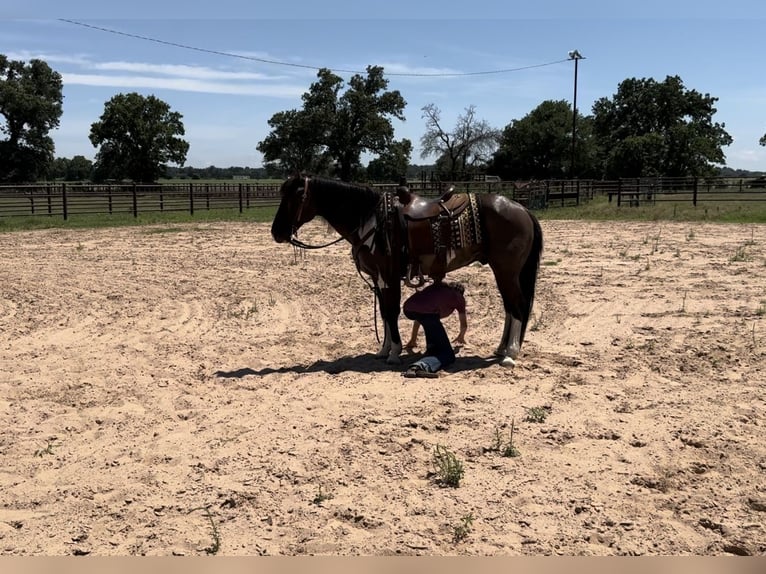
x=365, y=363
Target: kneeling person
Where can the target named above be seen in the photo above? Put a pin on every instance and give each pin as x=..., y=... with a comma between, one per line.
x=428, y=307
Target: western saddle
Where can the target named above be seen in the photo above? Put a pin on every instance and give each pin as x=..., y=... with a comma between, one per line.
x=432, y=228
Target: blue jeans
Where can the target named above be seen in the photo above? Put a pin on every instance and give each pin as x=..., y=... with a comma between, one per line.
x=437, y=341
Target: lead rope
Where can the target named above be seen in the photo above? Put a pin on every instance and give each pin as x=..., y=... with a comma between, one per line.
x=354, y=254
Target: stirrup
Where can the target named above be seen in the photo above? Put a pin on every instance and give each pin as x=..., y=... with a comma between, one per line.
x=421, y=280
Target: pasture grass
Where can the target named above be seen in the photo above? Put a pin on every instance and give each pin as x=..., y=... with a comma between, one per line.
x=92, y=221
x=600, y=209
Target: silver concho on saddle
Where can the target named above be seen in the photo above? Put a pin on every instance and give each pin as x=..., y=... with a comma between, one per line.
x=435, y=229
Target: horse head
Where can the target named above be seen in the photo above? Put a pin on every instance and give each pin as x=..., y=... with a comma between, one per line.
x=295, y=208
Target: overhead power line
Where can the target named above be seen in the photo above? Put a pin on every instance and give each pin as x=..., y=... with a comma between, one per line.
x=305, y=66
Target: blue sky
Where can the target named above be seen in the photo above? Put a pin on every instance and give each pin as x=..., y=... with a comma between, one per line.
x=226, y=101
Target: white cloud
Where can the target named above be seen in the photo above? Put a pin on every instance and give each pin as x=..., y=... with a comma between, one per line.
x=197, y=72
x=184, y=85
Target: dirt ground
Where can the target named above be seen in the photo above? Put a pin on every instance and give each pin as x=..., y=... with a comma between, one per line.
x=197, y=389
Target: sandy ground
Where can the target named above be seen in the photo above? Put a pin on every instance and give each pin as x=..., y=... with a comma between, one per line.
x=199, y=389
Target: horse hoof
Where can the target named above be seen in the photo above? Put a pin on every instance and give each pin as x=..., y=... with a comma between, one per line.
x=508, y=363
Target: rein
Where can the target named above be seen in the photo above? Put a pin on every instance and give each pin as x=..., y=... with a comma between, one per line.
x=295, y=242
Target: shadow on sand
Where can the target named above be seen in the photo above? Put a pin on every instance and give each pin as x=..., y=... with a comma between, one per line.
x=366, y=363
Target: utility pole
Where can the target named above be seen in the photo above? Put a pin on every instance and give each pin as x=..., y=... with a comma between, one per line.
x=576, y=56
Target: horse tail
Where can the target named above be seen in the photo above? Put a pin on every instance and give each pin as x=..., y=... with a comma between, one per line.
x=528, y=275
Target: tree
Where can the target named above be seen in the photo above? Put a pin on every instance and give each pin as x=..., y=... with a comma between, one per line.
x=335, y=126
x=137, y=135
x=30, y=106
x=658, y=128
x=293, y=145
x=762, y=141
x=78, y=168
x=539, y=145
x=470, y=143
x=392, y=164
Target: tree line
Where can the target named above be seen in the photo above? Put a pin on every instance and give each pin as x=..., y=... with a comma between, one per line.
x=646, y=128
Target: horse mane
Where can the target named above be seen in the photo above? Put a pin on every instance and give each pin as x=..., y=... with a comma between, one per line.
x=349, y=202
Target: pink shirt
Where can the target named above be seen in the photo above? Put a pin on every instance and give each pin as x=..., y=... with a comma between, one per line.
x=436, y=298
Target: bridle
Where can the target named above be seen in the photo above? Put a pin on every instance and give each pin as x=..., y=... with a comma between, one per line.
x=295, y=242
x=294, y=236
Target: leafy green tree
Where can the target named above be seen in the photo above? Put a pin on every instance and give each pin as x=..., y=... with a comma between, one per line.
x=293, y=144
x=138, y=135
x=57, y=168
x=79, y=168
x=335, y=127
x=30, y=106
x=468, y=146
x=658, y=128
x=539, y=145
x=391, y=164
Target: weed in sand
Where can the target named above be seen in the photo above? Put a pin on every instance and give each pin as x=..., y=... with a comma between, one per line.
x=48, y=449
x=740, y=254
x=537, y=414
x=215, y=545
x=505, y=448
x=321, y=497
x=461, y=531
x=448, y=468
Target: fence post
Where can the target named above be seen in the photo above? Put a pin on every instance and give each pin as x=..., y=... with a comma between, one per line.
x=619, y=192
x=694, y=194
x=48, y=192
x=547, y=192
x=162, y=198
x=191, y=199
x=577, y=198
x=63, y=201
x=240, y=197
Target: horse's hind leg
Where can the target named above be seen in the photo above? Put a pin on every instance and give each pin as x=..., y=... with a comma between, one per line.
x=510, y=343
x=514, y=304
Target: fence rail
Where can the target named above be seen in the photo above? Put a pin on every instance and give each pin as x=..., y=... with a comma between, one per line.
x=67, y=199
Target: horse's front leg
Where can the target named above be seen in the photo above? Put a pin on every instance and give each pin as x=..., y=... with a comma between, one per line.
x=389, y=300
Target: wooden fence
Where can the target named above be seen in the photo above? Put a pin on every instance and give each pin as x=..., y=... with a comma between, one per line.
x=67, y=199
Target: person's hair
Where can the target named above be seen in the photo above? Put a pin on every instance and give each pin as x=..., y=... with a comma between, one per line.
x=459, y=287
